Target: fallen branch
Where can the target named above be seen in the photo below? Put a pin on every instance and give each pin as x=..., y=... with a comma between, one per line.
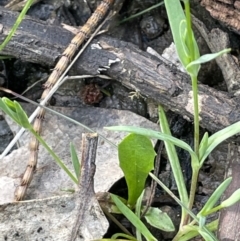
x=38, y=42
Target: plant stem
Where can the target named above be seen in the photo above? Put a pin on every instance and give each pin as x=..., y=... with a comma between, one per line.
x=196, y=114
x=56, y=158
x=193, y=188
x=190, y=42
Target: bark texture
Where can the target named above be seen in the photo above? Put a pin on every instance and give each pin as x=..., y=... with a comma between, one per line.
x=38, y=42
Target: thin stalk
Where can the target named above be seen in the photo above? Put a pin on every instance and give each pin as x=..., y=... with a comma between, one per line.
x=142, y=12
x=16, y=24
x=186, y=228
x=56, y=158
x=195, y=104
x=193, y=188
x=196, y=142
x=196, y=114
x=190, y=42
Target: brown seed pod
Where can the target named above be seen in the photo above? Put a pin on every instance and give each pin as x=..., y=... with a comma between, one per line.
x=91, y=94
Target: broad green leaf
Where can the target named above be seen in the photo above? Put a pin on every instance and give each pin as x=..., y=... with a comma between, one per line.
x=154, y=134
x=173, y=158
x=136, y=155
x=215, y=197
x=235, y=197
x=138, y=224
x=175, y=17
x=75, y=161
x=207, y=57
x=159, y=219
x=219, y=137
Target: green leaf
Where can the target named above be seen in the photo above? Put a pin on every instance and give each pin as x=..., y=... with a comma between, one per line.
x=9, y=103
x=183, y=33
x=16, y=24
x=175, y=17
x=22, y=116
x=133, y=218
x=7, y=106
x=136, y=156
x=154, y=134
x=219, y=137
x=194, y=69
x=192, y=231
x=116, y=237
x=208, y=236
x=14, y=110
x=206, y=58
x=235, y=197
x=203, y=145
x=173, y=158
x=75, y=161
x=138, y=208
x=215, y=197
x=159, y=219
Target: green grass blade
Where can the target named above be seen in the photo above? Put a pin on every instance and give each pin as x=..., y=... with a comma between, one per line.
x=203, y=145
x=219, y=137
x=215, y=197
x=138, y=208
x=174, y=161
x=138, y=224
x=16, y=24
x=22, y=116
x=75, y=161
x=175, y=17
x=56, y=158
x=7, y=106
x=153, y=134
x=207, y=57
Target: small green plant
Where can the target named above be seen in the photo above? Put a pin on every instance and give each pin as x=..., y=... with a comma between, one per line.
x=191, y=225
x=136, y=153
x=14, y=110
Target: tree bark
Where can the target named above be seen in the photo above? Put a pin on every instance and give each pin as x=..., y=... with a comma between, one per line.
x=229, y=222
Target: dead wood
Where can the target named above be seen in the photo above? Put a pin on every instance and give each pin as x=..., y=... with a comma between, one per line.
x=86, y=179
x=226, y=11
x=229, y=222
x=38, y=42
